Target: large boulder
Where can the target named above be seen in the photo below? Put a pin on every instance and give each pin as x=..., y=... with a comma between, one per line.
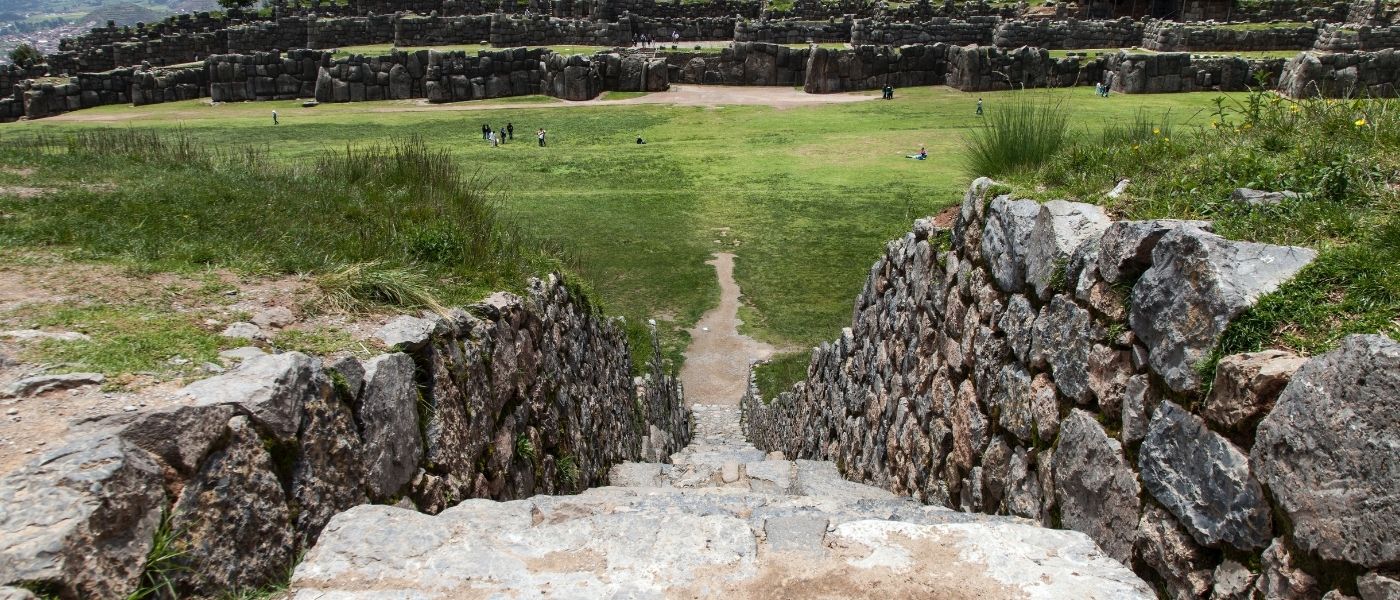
x=1328, y=452
x=1246, y=386
x=1125, y=250
x=80, y=520
x=1004, y=239
x=1096, y=489
x=1064, y=336
x=1059, y=229
x=388, y=417
x=1204, y=481
x=234, y=528
x=272, y=389
x=1198, y=283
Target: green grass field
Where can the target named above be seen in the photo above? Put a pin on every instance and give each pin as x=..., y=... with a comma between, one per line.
x=805, y=197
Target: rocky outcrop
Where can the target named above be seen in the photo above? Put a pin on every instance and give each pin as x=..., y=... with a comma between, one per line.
x=513, y=397
x=1039, y=360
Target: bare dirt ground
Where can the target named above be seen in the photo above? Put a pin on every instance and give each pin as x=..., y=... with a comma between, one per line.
x=33, y=283
x=678, y=95
x=716, y=369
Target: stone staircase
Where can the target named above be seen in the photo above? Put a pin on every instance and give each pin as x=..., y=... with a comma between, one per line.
x=723, y=520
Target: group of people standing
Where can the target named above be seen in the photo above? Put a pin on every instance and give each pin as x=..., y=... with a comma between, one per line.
x=644, y=40
x=507, y=133
x=1102, y=88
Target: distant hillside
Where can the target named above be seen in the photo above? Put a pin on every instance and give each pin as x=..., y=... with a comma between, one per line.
x=125, y=13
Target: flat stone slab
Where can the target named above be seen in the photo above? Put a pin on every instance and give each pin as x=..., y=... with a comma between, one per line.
x=639, y=543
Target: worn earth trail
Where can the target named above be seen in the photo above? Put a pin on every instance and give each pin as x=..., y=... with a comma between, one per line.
x=723, y=520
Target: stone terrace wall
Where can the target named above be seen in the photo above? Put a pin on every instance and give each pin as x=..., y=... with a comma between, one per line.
x=509, y=31
x=1373, y=74
x=1068, y=35
x=264, y=75
x=997, y=368
x=873, y=67
x=169, y=50
x=1363, y=38
x=414, y=30
x=746, y=63
x=52, y=96
x=349, y=31
x=792, y=31
x=184, y=82
x=11, y=75
x=282, y=34
x=1166, y=36
x=1181, y=72
x=984, y=68
x=612, y=10
x=515, y=397
x=707, y=28
x=973, y=30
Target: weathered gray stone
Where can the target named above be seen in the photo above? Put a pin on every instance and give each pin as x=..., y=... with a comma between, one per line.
x=241, y=354
x=1232, y=581
x=1023, y=492
x=1198, y=283
x=969, y=428
x=39, y=384
x=1125, y=250
x=271, y=389
x=387, y=415
x=1018, y=323
x=1046, y=405
x=1336, y=427
x=181, y=436
x=95, y=493
x=796, y=533
x=1059, y=229
x=1109, y=371
x=26, y=335
x=242, y=331
x=235, y=530
x=1204, y=480
x=1246, y=386
x=1014, y=402
x=1064, y=334
x=1139, y=398
x=1167, y=549
x=1004, y=239
x=274, y=317
x=1281, y=578
x=405, y=333
x=1261, y=197
x=631, y=474
x=1374, y=586
x=1096, y=489
x=328, y=475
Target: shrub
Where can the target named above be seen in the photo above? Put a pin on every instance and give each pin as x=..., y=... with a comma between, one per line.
x=1019, y=135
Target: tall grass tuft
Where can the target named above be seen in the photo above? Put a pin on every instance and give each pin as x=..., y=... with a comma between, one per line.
x=362, y=285
x=1020, y=135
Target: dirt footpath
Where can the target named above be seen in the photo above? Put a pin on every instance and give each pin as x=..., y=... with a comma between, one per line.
x=716, y=369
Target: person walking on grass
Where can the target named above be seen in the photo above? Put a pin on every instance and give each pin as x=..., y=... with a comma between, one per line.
x=274, y=117
x=979, y=107
x=491, y=137
x=510, y=131
x=485, y=132
x=540, y=134
x=502, y=135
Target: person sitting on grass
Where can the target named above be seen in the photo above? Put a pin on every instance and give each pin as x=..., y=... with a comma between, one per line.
x=640, y=140
x=922, y=155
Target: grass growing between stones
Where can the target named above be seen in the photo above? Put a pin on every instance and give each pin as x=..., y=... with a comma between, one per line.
x=1342, y=157
x=780, y=373
x=805, y=196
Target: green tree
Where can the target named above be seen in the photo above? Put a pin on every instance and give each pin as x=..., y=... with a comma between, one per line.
x=236, y=3
x=25, y=55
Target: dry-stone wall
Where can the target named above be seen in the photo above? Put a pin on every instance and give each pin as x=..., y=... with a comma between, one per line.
x=1166, y=36
x=982, y=68
x=11, y=75
x=1068, y=35
x=873, y=67
x=414, y=30
x=169, y=84
x=1134, y=73
x=1363, y=38
x=264, y=75
x=282, y=34
x=612, y=10
x=792, y=31
x=349, y=31
x=515, y=397
x=52, y=96
x=509, y=31
x=1372, y=74
x=744, y=63
x=1040, y=360
x=957, y=32
x=690, y=29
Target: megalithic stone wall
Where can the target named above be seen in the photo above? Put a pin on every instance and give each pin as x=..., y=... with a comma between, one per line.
x=515, y=396
x=1040, y=360
x=745, y=63
x=1168, y=36
x=264, y=75
x=1364, y=74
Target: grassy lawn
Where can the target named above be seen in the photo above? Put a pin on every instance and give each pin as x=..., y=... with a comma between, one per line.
x=805, y=197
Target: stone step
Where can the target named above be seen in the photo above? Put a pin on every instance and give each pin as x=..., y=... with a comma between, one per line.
x=615, y=542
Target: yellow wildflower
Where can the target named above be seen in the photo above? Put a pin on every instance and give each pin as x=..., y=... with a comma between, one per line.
x=1361, y=122
x=1156, y=131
